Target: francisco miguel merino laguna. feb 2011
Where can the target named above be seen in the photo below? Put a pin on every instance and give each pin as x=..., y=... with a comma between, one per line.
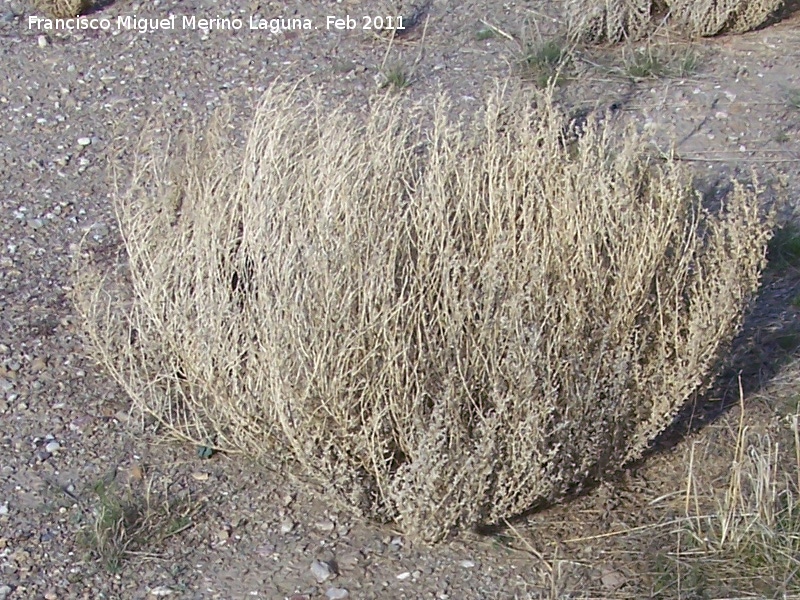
x=193, y=22
x=171, y=23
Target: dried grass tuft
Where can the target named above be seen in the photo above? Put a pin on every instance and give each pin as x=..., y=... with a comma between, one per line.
x=445, y=324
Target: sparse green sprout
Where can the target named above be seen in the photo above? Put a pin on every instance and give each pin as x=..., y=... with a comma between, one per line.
x=484, y=33
x=115, y=517
x=125, y=520
x=645, y=64
x=653, y=62
x=396, y=77
x=782, y=137
x=687, y=64
x=549, y=54
x=544, y=63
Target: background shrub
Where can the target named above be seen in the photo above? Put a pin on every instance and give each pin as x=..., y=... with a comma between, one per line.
x=615, y=20
x=609, y=20
x=61, y=9
x=446, y=322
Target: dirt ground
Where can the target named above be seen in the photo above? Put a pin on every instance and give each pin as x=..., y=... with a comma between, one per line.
x=220, y=527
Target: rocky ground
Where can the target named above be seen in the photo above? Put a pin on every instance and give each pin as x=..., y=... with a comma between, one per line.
x=72, y=460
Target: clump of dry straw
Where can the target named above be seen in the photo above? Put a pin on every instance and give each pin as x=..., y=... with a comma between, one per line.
x=617, y=20
x=447, y=322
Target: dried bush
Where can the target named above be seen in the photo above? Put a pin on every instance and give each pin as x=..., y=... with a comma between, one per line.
x=61, y=9
x=608, y=20
x=710, y=17
x=615, y=20
x=446, y=324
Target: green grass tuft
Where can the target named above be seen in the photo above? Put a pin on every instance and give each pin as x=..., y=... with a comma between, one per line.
x=124, y=521
x=544, y=63
x=396, y=77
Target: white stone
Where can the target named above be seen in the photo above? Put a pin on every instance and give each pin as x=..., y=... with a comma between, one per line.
x=321, y=571
x=287, y=526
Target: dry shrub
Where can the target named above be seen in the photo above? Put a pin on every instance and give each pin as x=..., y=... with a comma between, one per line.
x=446, y=324
x=61, y=9
x=710, y=17
x=608, y=20
x=615, y=20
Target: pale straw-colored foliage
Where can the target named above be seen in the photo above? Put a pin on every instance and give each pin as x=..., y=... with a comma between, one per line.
x=446, y=322
x=616, y=20
x=61, y=9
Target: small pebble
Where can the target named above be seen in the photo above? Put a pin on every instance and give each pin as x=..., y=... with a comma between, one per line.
x=287, y=525
x=467, y=564
x=321, y=571
x=403, y=576
x=337, y=593
x=42, y=41
x=266, y=549
x=38, y=363
x=52, y=446
x=84, y=141
x=325, y=526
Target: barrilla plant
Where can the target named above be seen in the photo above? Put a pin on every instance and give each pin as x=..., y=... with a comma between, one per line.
x=61, y=9
x=592, y=21
x=709, y=17
x=618, y=20
x=447, y=319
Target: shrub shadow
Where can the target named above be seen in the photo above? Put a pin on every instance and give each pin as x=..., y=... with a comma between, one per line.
x=95, y=6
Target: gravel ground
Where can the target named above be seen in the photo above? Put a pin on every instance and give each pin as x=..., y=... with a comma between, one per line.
x=221, y=527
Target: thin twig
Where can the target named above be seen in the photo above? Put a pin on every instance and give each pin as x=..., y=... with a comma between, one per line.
x=530, y=548
x=497, y=30
x=625, y=531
